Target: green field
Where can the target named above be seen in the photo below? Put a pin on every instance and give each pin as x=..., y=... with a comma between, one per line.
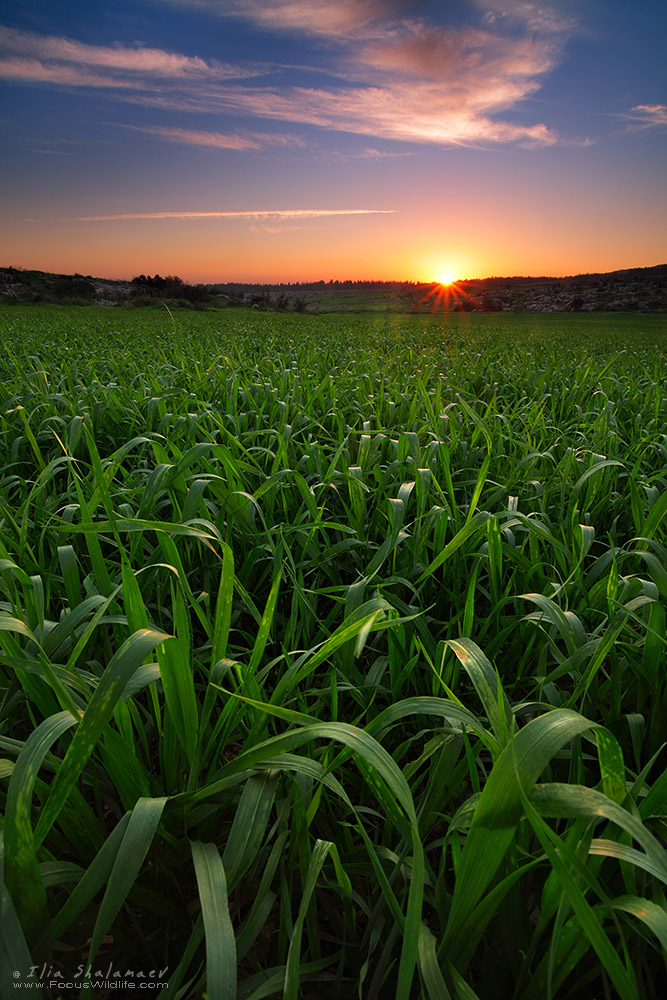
x=333, y=653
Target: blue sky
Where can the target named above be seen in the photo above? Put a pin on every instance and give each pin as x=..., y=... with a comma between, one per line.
x=264, y=140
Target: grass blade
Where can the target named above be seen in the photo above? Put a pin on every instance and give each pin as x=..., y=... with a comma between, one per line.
x=499, y=810
x=22, y=874
x=137, y=839
x=110, y=688
x=220, y=942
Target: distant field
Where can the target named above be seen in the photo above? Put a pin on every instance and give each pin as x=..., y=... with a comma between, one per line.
x=333, y=652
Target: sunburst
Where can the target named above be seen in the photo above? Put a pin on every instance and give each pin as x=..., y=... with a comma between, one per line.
x=448, y=294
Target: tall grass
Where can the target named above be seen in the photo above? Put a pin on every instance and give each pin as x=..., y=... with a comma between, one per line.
x=333, y=653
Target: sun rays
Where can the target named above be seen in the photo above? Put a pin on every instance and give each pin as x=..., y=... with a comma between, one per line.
x=449, y=295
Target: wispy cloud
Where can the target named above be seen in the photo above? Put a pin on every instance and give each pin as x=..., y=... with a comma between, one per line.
x=647, y=116
x=221, y=140
x=369, y=153
x=395, y=77
x=136, y=59
x=405, y=78
x=34, y=71
x=30, y=57
x=468, y=61
x=257, y=214
x=409, y=111
x=533, y=16
x=326, y=18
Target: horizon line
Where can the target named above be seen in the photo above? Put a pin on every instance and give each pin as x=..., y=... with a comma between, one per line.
x=376, y=280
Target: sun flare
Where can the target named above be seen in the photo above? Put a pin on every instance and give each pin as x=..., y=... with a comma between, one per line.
x=448, y=293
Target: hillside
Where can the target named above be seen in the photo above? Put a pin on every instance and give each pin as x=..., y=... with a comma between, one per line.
x=631, y=290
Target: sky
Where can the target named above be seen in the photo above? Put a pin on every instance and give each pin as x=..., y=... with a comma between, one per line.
x=305, y=140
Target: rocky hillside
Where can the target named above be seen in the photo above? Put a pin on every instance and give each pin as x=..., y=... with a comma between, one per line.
x=641, y=289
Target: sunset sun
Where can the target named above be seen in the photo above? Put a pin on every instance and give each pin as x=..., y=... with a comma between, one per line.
x=446, y=278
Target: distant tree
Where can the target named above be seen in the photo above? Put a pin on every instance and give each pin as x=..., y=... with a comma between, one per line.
x=142, y=284
x=170, y=287
x=173, y=285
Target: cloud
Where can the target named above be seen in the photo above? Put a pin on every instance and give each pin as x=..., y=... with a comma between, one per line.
x=326, y=18
x=647, y=116
x=354, y=19
x=468, y=60
x=221, y=140
x=404, y=78
x=137, y=59
x=34, y=71
x=410, y=111
x=536, y=17
x=395, y=77
x=260, y=213
x=29, y=57
x=369, y=153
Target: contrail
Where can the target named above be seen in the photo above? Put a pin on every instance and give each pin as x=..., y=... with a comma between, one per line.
x=263, y=213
